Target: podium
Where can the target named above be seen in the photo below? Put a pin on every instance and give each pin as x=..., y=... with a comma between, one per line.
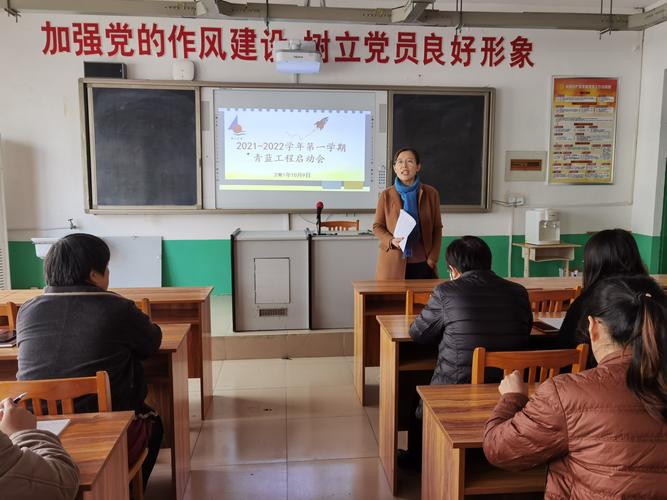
x=297, y=280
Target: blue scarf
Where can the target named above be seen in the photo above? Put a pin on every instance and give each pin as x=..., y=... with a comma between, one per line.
x=410, y=197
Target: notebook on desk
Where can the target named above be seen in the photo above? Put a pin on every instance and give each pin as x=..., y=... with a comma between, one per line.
x=54, y=426
x=8, y=341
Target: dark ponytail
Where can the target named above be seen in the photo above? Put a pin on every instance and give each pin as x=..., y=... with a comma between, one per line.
x=634, y=311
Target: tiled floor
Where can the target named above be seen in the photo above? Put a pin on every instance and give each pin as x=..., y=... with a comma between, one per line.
x=284, y=429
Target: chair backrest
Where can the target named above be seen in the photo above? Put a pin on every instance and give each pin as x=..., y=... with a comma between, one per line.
x=144, y=305
x=413, y=298
x=549, y=362
x=10, y=311
x=551, y=300
x=341, y=225
x=64, y=390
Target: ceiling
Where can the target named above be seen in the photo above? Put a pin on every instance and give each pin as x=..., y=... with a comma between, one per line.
x=591, y=6
x=564, y=14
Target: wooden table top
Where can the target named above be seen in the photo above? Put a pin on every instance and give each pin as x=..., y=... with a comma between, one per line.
x=155, y=295
x=397, y=326
x=400, y=286
x=89, y=439
x=462, y=410
x=172, y=337
x=562, y=244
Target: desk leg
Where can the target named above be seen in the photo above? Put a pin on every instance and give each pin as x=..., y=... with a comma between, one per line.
x=388, y=417
x=526, y=262
x=359, y=354
x=112, y=482
x=180, y=421
x=567, y=267
x=167, y=376
x=443, y=467
x=206, y=380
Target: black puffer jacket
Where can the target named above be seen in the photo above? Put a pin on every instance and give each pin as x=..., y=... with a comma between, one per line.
x=479, y=309
x=74, y=331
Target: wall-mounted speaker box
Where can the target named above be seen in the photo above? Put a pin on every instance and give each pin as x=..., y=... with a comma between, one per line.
x=104, y=70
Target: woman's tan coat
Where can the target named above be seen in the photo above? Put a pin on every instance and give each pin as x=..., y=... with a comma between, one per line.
x=390, y=263
x=595, y=434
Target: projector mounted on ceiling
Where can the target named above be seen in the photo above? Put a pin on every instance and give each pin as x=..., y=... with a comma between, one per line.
x=296, y=56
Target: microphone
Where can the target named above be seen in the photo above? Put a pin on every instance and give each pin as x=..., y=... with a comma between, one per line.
x=319, y=207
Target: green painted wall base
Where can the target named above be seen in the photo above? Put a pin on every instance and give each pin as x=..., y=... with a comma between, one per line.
x=208, y=262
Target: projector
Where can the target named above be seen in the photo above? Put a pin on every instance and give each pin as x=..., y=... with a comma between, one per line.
x=296, y=56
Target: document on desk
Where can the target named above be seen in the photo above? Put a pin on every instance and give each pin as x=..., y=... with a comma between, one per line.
x=554, y=322
x=404, y=226
x=55, y=426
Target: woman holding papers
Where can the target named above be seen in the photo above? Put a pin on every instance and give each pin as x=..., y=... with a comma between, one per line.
x=408, y=223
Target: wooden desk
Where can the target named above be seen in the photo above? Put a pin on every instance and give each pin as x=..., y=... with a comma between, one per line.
x=453, y=464
x=169, y=305
x=98, y=444
x=545, y=253
x=399, y=355
x=372, y=298
x=167, y=378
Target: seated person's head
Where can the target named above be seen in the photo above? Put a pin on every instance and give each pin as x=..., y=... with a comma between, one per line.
x=468, y=253
x=77, y=260
x=630, y=313
x=611, y=252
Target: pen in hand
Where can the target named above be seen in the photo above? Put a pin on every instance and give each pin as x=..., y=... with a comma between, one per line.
x=19, y=398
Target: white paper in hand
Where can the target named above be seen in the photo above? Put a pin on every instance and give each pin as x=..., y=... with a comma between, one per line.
x=404, y=226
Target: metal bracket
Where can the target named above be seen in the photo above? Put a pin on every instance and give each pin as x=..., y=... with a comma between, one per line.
x=10, y=12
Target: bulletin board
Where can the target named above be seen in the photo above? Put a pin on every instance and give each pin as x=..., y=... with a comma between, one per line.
x=583, y=130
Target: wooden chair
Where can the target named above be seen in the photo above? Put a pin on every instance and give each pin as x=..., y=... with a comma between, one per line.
x=413, y=298
x=341, y=225
x=144, y=305
x=65, y=390
x=549, y=362
x=10, y=311
x=550, y=300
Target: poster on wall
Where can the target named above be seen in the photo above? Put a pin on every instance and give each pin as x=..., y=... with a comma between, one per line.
x=583, y=127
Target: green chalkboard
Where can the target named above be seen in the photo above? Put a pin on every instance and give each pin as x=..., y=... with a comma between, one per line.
x=452, y=132
x=143, y=147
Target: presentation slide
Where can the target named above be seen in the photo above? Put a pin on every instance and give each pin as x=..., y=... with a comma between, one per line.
x=293, y=149
x=288, y=149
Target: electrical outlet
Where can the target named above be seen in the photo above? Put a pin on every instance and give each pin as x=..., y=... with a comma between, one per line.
x=516, y=200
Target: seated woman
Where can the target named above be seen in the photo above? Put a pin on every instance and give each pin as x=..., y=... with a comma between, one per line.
x=77, y=328
x=612, y=252
x=33, y=463
x=603, y=431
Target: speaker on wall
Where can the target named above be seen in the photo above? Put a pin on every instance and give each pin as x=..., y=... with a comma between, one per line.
x=104, y=70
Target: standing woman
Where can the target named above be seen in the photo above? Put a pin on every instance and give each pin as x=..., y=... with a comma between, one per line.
x=422, y=202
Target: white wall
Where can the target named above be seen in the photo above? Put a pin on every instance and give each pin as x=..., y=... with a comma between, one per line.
x=650, y=165
x=39, y=120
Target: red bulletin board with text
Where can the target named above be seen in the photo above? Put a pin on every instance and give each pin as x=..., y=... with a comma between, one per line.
x=583, y=128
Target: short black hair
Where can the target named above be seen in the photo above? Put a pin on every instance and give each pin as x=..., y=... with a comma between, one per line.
x=468, y=253
x=612, y=252
x=403, y=150
x=70, y=260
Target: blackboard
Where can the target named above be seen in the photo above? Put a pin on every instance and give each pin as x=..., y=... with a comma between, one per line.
x=452, y=134
x=144, y=147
